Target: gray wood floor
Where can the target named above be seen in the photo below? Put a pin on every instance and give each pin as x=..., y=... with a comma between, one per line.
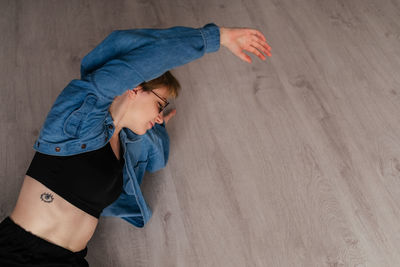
x=290, y=162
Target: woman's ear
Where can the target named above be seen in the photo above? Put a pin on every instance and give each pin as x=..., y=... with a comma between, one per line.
x=132, y=93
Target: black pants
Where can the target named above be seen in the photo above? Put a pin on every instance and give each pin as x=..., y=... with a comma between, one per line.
x=19, y=247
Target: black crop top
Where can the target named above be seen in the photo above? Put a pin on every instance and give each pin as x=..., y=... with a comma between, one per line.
x=90, y=181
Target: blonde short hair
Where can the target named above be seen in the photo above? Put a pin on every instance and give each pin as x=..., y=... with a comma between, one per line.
x=166, y=80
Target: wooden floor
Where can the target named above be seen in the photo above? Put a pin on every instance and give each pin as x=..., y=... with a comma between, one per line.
x=294, y=161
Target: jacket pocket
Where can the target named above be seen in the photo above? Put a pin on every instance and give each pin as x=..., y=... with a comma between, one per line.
x=73, y=123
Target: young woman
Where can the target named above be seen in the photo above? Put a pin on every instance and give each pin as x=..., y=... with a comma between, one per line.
x=102, y=132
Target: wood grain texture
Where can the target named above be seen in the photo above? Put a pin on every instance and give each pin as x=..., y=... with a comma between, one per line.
x=294, y=161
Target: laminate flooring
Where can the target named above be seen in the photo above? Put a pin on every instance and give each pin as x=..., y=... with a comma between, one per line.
x=292, y=161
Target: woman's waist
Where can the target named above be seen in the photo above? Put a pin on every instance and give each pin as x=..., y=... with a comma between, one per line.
x=47, y=215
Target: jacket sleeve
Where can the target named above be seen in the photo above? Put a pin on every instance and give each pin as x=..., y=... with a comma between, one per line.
x=129, y=57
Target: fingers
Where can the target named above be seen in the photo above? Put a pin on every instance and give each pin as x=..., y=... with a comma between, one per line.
x=264, y=47
x=260, y=38
x=253, y=50
x=259, y=35
x=244, y=57
x=261, y=47
x=258, y=45
x=258, y=49
x=240, y=54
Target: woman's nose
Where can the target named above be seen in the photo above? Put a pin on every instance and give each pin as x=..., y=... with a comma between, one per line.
x=159, y=118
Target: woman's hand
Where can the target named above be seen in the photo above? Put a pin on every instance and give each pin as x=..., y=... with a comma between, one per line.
x=239, y=39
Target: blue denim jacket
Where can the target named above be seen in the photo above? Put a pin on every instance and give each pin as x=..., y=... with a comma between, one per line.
x=79, y=120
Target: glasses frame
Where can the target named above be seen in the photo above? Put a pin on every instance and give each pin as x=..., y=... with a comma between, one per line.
x=165, y=101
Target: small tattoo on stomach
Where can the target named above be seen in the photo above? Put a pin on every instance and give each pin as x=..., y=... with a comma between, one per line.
x=47, y=197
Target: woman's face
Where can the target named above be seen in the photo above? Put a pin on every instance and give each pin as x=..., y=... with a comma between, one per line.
x=144, y=110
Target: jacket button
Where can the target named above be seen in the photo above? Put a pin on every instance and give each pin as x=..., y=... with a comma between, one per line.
x=105, y=139
x=110, y=126
x=58, y=149
x=83, y=146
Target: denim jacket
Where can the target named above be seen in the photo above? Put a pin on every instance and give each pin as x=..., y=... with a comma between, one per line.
x=79, y=120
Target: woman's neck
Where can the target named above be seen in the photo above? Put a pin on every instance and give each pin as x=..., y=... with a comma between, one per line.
x=117, y=110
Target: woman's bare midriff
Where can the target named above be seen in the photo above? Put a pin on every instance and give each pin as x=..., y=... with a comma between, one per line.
x=55, y=220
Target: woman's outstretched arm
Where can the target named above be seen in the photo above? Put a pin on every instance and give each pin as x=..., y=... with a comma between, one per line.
x=127, y=58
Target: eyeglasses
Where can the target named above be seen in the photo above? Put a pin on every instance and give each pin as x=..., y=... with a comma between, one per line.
x=160, y=107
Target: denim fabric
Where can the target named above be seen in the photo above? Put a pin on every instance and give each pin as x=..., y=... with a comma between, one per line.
x=79, y=120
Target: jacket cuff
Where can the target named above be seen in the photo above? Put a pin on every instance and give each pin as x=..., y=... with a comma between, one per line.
x=210, y=33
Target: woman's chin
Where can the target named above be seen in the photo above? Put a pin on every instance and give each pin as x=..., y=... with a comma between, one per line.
x=141, y=132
